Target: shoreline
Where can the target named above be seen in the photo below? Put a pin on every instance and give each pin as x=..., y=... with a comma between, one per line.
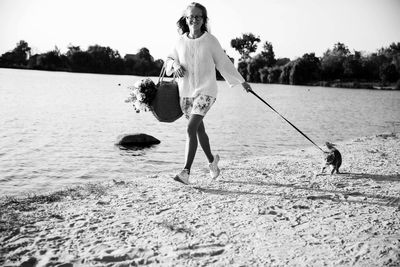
x=273, y=211
x=328, y=84
x=357, y=85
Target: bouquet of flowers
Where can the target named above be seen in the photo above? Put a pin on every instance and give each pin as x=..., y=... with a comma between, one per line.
x=143, y=93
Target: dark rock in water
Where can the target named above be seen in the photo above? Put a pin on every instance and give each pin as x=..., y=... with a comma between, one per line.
x=137, y=140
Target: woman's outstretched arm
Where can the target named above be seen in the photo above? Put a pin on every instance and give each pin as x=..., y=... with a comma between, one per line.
x=225, y=65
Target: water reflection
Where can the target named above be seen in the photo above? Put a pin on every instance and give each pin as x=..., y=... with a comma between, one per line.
x=134, y=150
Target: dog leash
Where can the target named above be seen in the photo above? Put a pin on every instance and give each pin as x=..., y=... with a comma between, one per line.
x=251, y=91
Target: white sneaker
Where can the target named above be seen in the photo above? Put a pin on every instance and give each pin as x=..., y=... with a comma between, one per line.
x=214, y=170
x=182, y=177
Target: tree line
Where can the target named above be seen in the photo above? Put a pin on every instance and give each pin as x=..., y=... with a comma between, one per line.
x=337, y=64
x=96, y=59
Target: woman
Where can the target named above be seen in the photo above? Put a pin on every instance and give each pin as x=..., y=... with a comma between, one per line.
x=193, y=60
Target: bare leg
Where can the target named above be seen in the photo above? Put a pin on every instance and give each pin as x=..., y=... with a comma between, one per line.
x=204, y=142
x=191, y=141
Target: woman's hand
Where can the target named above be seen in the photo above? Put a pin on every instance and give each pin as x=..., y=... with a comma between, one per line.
x=246, y=87
x=179, y=70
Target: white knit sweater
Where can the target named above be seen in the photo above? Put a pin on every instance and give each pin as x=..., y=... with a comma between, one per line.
x=199, y=57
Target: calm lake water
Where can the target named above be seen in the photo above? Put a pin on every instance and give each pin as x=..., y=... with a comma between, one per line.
x=59, y=129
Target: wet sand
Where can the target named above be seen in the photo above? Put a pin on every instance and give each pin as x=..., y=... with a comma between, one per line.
x=270, y=211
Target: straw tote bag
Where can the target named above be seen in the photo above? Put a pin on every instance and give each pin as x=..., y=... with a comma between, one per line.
x=165, y=106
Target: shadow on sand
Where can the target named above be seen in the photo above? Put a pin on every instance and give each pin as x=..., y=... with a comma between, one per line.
x=375, y=177
x=332, y=195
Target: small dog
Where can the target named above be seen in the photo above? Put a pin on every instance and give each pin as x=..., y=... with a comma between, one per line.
x=333, y=158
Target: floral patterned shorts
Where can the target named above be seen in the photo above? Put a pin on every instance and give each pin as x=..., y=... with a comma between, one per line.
x=200, y=105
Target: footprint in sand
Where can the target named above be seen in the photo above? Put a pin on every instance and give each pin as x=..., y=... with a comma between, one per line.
x=196, y=251
x=341, y=185
x=394, y=201
x=333, y=197
x=276, y=211
x=301, y=207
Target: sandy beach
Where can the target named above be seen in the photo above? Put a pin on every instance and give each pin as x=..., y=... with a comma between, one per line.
x=270, y=211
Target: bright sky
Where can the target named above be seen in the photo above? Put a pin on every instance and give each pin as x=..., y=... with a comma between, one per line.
x=294, y=27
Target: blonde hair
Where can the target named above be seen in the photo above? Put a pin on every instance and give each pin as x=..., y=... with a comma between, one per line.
x=182, y=25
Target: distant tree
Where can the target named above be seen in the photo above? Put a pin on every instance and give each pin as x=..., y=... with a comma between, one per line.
x=395, y=48
x=22, y=52
x=129, y=65
x=104, y=59
x=392, y=54
x=332, y=62
x=72, y=50
x=264, y=72
x=282, y=61
x=8, y=60
x=33, y=62
x=242, y=68
x=389, y=52
x=388, y=73
x=100, y=58
x=17, y=57
x=254, y=65
x=370, y=67
x=396, y=62
x=142, y=63
x=352, y=66
x=395, y=53
x=340, y=49
x=274, y=74
x=144, y=54
x=397, y=85
x=52, y=60
x=245, y=45
x=81, y=61
x=268, y=54
x=305, y=69
x=284, y=78
x=77, y=59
